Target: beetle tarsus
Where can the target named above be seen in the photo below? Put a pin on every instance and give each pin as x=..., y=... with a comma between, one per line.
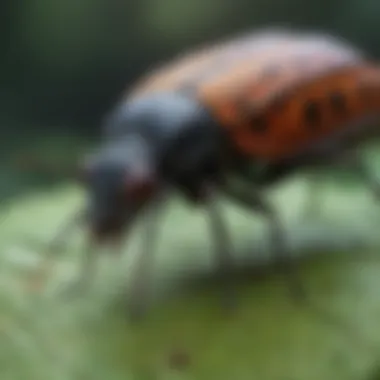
x=138, y=304
x=296, y=287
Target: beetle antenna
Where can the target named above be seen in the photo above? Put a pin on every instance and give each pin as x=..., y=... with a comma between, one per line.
x=54, y=247
x=57, y=243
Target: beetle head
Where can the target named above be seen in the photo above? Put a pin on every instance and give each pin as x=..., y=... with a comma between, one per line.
x=120, y=180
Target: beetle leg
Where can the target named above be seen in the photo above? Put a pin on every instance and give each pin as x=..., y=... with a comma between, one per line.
x=87, y=271
x=222, y=249
x=283, y=260
x=314, y=192
x=142, y=273
x=354, y=163
x=349, y=161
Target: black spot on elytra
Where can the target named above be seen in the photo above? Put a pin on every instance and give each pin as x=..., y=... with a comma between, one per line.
x=338, y=102
x=250, y=116
x=258, y=124
x=366, y=93
x=312, y=113
x=279, y=101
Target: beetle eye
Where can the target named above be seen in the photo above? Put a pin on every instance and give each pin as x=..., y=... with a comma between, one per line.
x=139, y=189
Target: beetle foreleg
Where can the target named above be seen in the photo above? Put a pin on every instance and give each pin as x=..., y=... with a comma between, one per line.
x=39, y=277
x=87, y=271
x=142, y=273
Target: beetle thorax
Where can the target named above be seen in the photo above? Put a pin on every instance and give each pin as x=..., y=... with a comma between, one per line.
x=180, y=135
x=157, y=117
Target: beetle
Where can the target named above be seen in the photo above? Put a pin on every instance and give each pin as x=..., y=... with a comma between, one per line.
x=256, y=108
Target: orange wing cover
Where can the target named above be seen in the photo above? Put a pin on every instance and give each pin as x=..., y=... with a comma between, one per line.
x=276, y=91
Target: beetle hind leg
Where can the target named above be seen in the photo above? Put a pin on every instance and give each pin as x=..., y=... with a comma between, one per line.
x=351, y=162
x=356, y=165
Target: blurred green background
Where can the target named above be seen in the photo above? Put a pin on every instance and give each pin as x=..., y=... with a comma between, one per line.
x=63, y=64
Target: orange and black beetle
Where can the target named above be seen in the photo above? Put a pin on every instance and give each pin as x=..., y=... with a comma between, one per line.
x=256, y=108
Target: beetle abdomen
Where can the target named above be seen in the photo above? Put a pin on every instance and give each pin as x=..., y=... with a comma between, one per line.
x=276, y=125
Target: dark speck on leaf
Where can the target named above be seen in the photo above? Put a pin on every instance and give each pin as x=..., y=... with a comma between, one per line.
x=179, y=359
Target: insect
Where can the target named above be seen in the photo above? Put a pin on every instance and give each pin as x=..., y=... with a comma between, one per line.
x=254, y=109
